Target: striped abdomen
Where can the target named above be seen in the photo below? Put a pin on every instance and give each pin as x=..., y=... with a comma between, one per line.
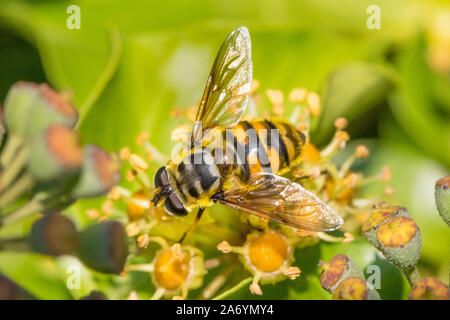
x=272, y=146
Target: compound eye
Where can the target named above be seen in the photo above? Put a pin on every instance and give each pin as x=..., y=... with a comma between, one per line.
x=161, y=178
x=174, y=206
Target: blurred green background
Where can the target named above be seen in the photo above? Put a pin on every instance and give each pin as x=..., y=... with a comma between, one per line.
x=134, y=61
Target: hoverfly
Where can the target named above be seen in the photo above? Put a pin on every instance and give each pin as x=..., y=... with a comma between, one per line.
x=253, y=185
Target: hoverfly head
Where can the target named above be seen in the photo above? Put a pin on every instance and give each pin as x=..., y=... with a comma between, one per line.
x=172, y=203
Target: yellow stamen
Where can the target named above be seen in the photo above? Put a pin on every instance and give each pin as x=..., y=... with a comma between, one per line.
x=181, y=133
x=143, y=241
x=142, y=137
x=138, y=163
x=133, y=296
x=124, y=153
x=255, y=289
x=107, y=207
x=114, y=194
x=313, y=103
x=385, y=174
x=292, y=272
x=275, y=96
x=341, y=123
x=361, y=151
x=254, y=86
x=191, y=113
x=224, y=247
x=132, y=230
x=298, y=95
x=92, y=213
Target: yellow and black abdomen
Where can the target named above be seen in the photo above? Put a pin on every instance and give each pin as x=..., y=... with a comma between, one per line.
x=273, y=146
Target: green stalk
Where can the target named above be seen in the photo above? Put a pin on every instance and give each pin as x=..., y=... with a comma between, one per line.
x=11, y=172
x=26, y=210
x=23, y=184
x=15, y=244
x=237, y=287
x=12, y=145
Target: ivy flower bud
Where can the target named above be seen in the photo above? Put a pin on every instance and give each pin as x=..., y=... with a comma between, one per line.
x=95, y=295
x=430, y=289
x=442, y=198
x=9, y=290
x=49, y=108
x=395, y=234
x=103, y=247
x=20, y=96
x=54, y=152
x=99, y=173
x=55, y=235
x=352, y=288
x=336, y=270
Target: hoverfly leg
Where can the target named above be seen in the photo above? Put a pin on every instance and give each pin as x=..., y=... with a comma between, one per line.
x=194, y=225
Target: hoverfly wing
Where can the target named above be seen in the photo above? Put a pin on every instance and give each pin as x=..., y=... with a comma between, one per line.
x=226, y=93
x=278, y=199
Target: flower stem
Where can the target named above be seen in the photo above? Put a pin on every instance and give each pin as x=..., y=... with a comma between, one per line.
x=217, y=283
x=26, y=210
x=12, y=171
x=413, y=276
x=15, y=244
x=12, y=145
x=240, y=285
x=24, y=183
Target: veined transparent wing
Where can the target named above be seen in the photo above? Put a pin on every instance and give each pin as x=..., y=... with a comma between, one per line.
x=226, y=94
